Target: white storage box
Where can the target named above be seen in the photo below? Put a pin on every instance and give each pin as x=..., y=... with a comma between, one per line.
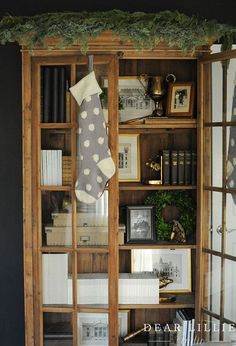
x=83, y=219
x=135, y=288
x=58, y=236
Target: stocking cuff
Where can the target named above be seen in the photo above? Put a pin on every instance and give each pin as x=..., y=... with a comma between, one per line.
x=84, y=197
x=85, y=87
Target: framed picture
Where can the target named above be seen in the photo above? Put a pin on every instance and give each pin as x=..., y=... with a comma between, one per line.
x=175, y=264
x=180, y=99
x=129, y=157
x=140, y=224
x=133, y=101
x=93, y=327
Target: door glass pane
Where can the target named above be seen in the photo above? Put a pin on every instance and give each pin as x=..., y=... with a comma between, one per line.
x=212, y=281
x=56, y=218
x=56, y=278
x=92, y=222
x=231, y=156
x=217, y=92
x=217, y=156
x=231, y=224
x=231, y=91
x=230, y=290
x=57, y=329
x=55, y=97
x=56, y=157
x=216, y=221
x=92, y=280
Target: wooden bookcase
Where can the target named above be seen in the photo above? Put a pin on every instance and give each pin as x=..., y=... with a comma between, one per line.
x=171, y=133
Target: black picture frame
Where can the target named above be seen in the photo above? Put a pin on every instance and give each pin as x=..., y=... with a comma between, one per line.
x=140, y=224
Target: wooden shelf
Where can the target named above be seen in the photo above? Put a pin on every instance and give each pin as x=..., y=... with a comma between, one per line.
x=59, y=249
x=57, y=125
x=57, y=308
x=55, y=188
x=161, y=245
x=93, y=308
x=93, y=249
x=184, y=300
x=143, y=187
x=165, y=123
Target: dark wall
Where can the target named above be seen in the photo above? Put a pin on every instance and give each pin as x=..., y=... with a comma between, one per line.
x=11, y=256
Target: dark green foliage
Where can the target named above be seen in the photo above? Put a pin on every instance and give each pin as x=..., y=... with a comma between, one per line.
x=145, y=30
x=183, y=201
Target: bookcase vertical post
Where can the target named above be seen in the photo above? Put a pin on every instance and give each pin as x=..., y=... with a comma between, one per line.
x=113, y=263
x=27, y=198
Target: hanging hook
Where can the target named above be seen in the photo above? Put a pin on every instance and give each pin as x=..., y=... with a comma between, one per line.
x=90, y=63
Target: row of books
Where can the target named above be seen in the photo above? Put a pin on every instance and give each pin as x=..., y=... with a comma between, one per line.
x=55, y=95
x=51, y=167
x=179, y=167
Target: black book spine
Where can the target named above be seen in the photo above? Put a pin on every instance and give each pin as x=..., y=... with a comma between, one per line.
x=41, y=94
x=62, y=95
x=194, y=168
x=174, y=167
x=180, y=167
x=55, y=95
x=187, y=167
x=152, y=337
x=46, y=95
x=166, y=337
x=166, y=167
x=159, y=338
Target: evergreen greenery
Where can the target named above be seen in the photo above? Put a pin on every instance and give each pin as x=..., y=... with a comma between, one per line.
x=145, y=30
x=180, y=199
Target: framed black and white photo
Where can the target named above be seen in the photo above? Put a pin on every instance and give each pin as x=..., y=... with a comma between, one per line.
x=173, y=264
x=180, y=99
x=140, y=224
x=129, y=157
x=133, y=100
x=93, y=327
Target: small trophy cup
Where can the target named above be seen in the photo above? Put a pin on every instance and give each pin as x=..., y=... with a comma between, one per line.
x=156, y=90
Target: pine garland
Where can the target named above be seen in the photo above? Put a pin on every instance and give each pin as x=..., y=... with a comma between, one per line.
x=144, y=30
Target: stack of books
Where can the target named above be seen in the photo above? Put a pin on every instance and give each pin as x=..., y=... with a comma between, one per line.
x=185, y=320
x=51, y=167
x=179, y=167
x=55, y=95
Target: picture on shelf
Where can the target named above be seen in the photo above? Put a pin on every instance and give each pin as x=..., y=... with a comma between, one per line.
x=140, y=224
x=129, y=157
x=133, y=101
x=180, y=99
x=173, y=264
x=93, y=327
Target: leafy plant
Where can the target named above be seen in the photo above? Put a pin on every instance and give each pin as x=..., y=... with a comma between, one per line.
x=145, y=30
x=180, y=199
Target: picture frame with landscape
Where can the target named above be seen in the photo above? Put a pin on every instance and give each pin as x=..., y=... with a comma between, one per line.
x=140, y=224
x=175, y=264
x=134, y=103
x=180, y=99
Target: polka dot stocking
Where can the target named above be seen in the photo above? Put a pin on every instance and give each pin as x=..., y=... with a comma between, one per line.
x=95, y=166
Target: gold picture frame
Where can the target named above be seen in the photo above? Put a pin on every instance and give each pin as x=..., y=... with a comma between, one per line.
x=129, y=158
x=157, y=260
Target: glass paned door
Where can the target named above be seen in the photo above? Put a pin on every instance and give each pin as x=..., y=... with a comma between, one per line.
x=218, y=100
x=71, y=257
